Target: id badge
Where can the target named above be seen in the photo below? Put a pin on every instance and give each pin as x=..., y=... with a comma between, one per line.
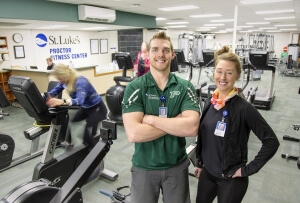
x=220, y=129
x=163, y=112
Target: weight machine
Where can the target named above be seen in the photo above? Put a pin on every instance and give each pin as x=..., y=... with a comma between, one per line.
x=295, y=127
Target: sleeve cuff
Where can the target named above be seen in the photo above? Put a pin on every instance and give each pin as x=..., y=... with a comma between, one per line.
x=69, y=102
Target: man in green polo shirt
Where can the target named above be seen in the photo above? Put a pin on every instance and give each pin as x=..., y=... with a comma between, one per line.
x=159, y=111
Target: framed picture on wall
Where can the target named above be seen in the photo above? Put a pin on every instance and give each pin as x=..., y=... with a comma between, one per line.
x=103, y=46
x=94, y=43
x=19, y=51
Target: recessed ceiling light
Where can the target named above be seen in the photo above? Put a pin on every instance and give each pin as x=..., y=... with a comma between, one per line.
x=205, y=15
x=281, y=18
x=261, y=1
x=159, y=18
x=286, y=25
x=176, y=8
x=245, y=31
x=273, y=30
x=135, y=5
x=220, y=21
x=220, y=24
x=176, y=26
x=275, y=11
x=177, y=23
x=258, y=23
x=220, y=32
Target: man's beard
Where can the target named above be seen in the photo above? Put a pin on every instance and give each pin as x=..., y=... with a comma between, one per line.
x=161, y=68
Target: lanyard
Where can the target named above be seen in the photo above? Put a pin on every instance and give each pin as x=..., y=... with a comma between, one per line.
x=163, y=100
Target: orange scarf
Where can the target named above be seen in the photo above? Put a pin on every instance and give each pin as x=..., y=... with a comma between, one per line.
x=220, y=103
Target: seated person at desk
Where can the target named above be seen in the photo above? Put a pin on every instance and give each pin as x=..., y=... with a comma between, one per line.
x=82, y=94
x=49, y=63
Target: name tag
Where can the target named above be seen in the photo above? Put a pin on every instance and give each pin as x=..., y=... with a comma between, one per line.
x=220, y=129
x=163, y=112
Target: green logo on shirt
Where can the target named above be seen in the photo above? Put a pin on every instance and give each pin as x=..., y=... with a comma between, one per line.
x=174, y=93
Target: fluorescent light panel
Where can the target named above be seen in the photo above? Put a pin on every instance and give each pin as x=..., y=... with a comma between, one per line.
x=281, y=18
x=261, y=1
x=207, y=27
x=290, y=29
x=159, y=18
x=176, y=26
x=275, y=11
x=221, y=32
x=258, y=23
x=286, y=25
x=214, y=24
x=245, y=26
x=205, y=15
x=177, y=23
x=220, y=21
x=254, y=30
x=267, y=28
x=178, y=8
x=231, y=29
x=203, y=29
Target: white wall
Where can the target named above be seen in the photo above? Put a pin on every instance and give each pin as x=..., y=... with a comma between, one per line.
x=77, y=43
x=35, y=55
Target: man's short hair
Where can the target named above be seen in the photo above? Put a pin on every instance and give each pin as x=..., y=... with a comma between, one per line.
x=161, y=35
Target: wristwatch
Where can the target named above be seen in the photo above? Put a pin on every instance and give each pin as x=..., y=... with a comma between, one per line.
x=65, y=102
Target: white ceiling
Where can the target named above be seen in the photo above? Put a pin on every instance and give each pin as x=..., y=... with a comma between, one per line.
x=246, y=14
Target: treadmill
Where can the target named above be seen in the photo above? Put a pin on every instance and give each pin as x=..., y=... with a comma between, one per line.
x=264, y=97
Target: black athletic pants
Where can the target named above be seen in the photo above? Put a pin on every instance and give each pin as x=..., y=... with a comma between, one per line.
x=93, y=116
x=229, y=190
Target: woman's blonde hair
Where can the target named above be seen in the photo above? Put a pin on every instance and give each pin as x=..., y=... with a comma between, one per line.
x=226, y=54
x=64, y=71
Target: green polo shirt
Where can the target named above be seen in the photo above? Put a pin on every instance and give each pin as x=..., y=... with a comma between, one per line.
x=143, y=95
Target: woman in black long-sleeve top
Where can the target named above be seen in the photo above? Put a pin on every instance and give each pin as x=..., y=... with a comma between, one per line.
x=224, y=130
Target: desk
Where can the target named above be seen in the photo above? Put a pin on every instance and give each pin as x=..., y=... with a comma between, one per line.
x=101, y=82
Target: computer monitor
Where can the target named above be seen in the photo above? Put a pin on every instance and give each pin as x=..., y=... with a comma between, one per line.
x=33, y=67
x=124, y=62
x=28, y=95
x=208, y=55
x=259, y=58
x=180, y=55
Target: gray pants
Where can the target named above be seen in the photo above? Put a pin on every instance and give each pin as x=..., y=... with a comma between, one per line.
x=173, y=182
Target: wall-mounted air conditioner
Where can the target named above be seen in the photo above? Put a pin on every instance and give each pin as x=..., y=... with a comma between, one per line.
x=97, y=14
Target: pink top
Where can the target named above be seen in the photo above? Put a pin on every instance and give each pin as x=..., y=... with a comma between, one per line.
x=146, y=63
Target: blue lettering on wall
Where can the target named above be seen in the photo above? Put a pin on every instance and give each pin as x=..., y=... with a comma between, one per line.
x=65, y=54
